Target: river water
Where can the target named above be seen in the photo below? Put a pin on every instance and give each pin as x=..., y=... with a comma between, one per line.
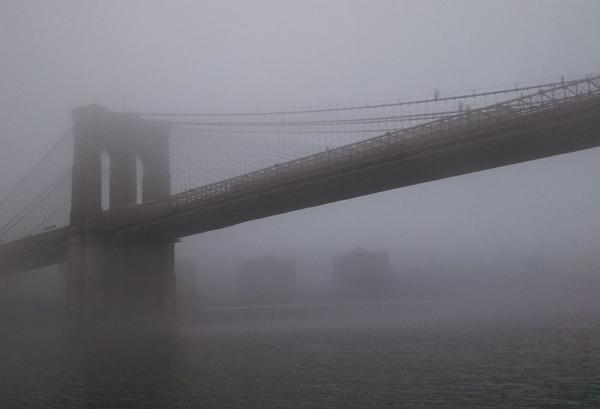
x=353, y=362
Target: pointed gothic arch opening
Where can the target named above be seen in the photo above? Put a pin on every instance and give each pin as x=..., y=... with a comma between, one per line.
x=105, y=180
x=139, y=180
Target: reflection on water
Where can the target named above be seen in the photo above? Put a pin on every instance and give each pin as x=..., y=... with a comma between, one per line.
x=309, y=363
x=55, y=370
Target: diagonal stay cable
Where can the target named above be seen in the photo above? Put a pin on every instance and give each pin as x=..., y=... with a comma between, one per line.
x=34, y=203
x=35, y=167
x=49, y=217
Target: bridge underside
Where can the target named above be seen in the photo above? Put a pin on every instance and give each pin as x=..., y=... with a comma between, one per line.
x=34, y=252
x=543, y=136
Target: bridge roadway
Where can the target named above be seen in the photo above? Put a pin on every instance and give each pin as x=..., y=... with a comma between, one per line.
x=523, y=129
x=33, y=252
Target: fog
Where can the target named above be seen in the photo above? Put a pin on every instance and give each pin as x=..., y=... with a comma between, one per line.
x=187, y=56
x=519, y=241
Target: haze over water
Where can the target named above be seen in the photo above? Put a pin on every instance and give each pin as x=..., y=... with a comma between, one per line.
x=369, y=359
x=496, y=274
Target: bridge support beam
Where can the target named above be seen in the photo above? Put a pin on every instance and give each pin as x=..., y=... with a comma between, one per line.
x=84, y=290
x=117, y=279
x=128, y=280
x=5, y=288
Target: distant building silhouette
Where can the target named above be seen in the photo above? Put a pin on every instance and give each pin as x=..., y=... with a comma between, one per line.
x=267, y=280
x=187, y=285
x=361, y=274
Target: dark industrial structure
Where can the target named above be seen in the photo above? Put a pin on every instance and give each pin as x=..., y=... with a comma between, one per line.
x=361, y=274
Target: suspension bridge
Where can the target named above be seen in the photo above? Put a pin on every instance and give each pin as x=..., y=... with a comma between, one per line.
x=112, y=196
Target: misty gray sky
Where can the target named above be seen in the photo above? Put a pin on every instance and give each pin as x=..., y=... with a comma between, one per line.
x=223, y=55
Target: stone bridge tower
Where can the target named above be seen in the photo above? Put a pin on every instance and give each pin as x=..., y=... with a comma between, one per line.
x=113, y=278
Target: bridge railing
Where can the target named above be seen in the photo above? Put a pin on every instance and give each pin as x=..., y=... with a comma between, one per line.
x=444, y=130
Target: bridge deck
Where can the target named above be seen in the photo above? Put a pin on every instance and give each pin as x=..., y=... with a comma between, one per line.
x=34, y=252
x=477, y=140
x=547, y=123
